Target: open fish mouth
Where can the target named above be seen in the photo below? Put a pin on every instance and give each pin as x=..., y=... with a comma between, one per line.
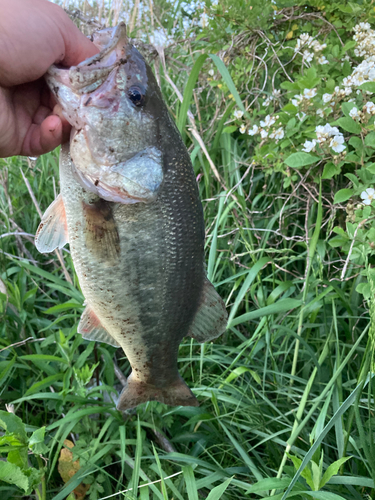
x=91, y=73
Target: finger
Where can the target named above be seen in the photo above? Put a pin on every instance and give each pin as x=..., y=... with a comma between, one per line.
x=43, y=138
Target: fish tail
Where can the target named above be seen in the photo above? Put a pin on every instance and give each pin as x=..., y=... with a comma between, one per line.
x=136, y=392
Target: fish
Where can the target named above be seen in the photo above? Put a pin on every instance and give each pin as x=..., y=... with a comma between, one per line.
x=129, y=208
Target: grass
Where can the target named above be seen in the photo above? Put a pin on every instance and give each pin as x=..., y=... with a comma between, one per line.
x=285, y=394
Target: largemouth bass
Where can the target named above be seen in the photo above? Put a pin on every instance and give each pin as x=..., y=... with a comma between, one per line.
x=130, y=210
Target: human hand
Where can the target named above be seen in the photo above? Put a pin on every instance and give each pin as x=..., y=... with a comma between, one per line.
x=33, y=35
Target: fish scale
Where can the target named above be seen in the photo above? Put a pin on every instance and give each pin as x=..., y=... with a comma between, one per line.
x=130, y=210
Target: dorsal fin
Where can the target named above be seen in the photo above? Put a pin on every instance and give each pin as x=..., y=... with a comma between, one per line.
x=52, y=232
x=91, y=328
x=210, y=320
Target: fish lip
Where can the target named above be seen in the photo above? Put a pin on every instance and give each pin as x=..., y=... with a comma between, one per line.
x=101, y=64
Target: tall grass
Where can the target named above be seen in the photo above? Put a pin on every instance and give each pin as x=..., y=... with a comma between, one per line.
x=286, y=394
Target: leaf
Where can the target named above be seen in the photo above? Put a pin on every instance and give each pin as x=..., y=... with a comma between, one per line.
x=13, y=425
x=190, y=482
x=240, y=370
x=370, y=139
x=332, y=470
x=298, y=160
x=330, y=169
x=230, y=129
x=280, y=306
x=343, y=195
x=348, y=124
x=67, y=469
x=12, y=474
x=369, y=86
x=36, y=441
x=371, y=168
x=218, y=491
x=306, y=473
x=347, y=107
x=364, y=289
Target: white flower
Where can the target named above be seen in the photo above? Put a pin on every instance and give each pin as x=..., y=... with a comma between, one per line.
x=254, y=130
x=238, y=114
x=276, y=93
x=263, y=133
x=268, y=121
x=322, y=133
x=243, y=129
x=301, y=115
x=309, y=145
x=308, y=56
x=267, y=102
x=279, y=134
x=354, y=113
x=211, y=72
x=320, y=112
x=370, y=108
x=362, y=27
x=327, y=97
x=367, y=196
x=323, y=60
x=309, y=93
x=337, y=143
x=297, y=100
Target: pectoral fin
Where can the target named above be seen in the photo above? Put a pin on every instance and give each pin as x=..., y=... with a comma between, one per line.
x=52, y=232
x=101, y=234
x=210, y=320
x=91, y=328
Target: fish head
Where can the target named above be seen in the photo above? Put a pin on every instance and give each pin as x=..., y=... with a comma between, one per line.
x=115, y=107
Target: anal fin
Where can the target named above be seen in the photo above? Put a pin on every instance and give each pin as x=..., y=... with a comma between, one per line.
x=91, y=328
x=52, y=232
x=210, y=320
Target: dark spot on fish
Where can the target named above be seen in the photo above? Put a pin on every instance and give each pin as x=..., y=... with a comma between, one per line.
x=56, y=90
x=127, y=123
x=96, y=182
x=111, y=150
x=87, y=102
x=123, y=61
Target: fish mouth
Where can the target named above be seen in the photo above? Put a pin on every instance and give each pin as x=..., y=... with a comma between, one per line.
x=88, y=75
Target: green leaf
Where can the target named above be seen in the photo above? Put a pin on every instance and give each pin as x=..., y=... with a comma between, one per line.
x=371, y=168
x=332, y=470
x=348, y=124
x=35, y=358
x=190, y=482
x=13, y=425
x=364, y=289
x=330, y=170
x=230, y=129
x=278, y=307
x=36, y=441
x=343, y=195
x=298, y=160
x=306, y=473
x=370, y=139
x=369, y=86
x=349, y=45
x=347, y=107
x=218, y=491
x=12, y=474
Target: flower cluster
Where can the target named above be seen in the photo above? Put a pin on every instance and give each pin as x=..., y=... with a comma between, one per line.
x=265, y=129
x=326, y=135
x=275, y=96
x=364, y=36
x=310, y=48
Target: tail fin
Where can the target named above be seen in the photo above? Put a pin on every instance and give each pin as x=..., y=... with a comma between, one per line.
x=136, y=392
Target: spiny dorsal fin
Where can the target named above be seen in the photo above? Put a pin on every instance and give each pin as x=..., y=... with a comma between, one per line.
x=210, y=320
x=91, y=328
x=52, y=232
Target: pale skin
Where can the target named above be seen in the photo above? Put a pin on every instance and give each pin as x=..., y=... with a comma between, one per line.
x=33, y=35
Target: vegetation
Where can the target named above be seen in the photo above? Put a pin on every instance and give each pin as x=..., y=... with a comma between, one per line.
x=274, y=102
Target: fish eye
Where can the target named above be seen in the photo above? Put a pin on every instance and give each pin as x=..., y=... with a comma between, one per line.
x=136, y=96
